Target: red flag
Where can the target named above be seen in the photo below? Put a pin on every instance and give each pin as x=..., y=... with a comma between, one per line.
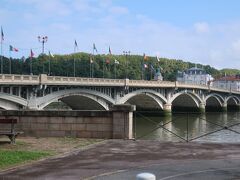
x=31, y=54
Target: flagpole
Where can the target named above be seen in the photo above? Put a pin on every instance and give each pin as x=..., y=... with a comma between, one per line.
x=115, y=69
x=92, y=64
x=31, y=59
x=10, y=62
x=74, y=70
x=49, y=65
x=103, y=67
x=1, y=55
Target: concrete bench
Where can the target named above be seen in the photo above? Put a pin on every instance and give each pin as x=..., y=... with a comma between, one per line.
x=11, y=133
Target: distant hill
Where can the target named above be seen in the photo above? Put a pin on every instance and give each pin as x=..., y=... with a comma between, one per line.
x=230, y=71
x=62, y=65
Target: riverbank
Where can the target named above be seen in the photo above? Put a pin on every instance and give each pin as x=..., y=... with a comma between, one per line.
x=123, y=159
x=30, y=149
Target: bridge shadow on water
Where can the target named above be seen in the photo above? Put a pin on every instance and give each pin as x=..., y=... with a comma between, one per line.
x=188, y=126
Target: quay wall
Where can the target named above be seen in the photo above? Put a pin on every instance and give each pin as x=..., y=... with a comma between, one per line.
x=113, y=124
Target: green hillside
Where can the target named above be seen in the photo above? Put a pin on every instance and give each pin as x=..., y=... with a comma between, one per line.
x=62, y=65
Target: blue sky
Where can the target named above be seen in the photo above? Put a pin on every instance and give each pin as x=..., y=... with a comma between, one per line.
x=200, y=31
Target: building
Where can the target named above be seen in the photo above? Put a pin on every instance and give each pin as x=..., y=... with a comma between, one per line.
x=194, y=76
x=228, y=82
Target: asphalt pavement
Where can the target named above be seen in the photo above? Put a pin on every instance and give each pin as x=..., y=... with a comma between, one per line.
x=124, y=159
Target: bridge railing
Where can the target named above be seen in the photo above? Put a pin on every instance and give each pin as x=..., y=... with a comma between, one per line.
x=79, y=81
x=58, y=80
x=19, y=79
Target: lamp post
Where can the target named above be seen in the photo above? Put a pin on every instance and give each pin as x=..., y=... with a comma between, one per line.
x=43, y=40
x=126, y=53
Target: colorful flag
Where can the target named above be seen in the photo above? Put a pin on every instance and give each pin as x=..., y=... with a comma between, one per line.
x=2, y=35
x=145, y=57
x=31, y=54
x=110, y=52
x=50, y=54
x=158, y=59
x=116, y=61
x=11, y=48
x=94, y=47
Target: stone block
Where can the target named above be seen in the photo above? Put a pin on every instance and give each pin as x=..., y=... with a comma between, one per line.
x=56, y=120
x=57, y=133
x=79, y=127
x=84, y=134
x=92, y=127
x=65, y=127
x=54, y=127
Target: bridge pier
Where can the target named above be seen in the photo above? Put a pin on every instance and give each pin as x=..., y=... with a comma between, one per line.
x=167, y=109
x=224, y=107
x=202, y=108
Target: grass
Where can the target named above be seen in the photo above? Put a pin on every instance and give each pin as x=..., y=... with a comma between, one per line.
x=30, y=149
x=8, y=158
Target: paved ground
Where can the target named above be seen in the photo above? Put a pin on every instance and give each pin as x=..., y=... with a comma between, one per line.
x=119, y=159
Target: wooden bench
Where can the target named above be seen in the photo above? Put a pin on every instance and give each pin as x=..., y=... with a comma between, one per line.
x=11, y=133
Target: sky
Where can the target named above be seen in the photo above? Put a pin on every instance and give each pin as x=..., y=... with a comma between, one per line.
x=199, y=31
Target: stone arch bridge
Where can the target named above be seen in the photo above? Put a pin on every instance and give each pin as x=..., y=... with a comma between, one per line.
x=37, y=92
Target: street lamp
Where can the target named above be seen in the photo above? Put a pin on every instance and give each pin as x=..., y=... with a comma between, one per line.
x=42, y=39
x=126, y=53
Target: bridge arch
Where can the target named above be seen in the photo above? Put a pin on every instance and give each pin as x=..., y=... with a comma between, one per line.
x=233, y=99
x=145, y=98
x=214, y=102
x=11, y=102
x=189, y=98
x=94, y=100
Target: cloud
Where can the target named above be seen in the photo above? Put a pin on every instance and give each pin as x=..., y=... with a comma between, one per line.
x=201, y=27
x=105, y=23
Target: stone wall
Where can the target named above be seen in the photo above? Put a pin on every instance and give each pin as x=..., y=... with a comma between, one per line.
x=116, y=123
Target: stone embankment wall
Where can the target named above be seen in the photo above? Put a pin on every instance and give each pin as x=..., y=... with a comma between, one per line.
x=116, y=123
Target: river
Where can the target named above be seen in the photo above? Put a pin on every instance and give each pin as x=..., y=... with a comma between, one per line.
x=184, y=126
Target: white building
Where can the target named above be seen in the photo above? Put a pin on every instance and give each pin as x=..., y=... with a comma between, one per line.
x=194, y=76
x=228, y=82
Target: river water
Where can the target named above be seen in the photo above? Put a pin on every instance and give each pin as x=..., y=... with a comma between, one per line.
x=221, y=127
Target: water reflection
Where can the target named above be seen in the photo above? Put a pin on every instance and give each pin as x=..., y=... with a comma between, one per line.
x=190, y=126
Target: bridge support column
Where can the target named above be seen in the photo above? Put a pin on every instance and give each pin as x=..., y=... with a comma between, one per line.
x=224, y=107
x=123, y=121
x=202, y=108
x=238, y=107
x=167, y=109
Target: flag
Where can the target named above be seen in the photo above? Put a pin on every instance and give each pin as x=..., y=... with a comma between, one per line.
x=145, y=57
x=110, y=52
x=50, y=54
x=2, y=35
x=75, y=44
x=94, y=47
x=11, y=48
x=145, y=66
x=158, y=59
x=107, y=60
x=116, y=61
x=31, y=54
